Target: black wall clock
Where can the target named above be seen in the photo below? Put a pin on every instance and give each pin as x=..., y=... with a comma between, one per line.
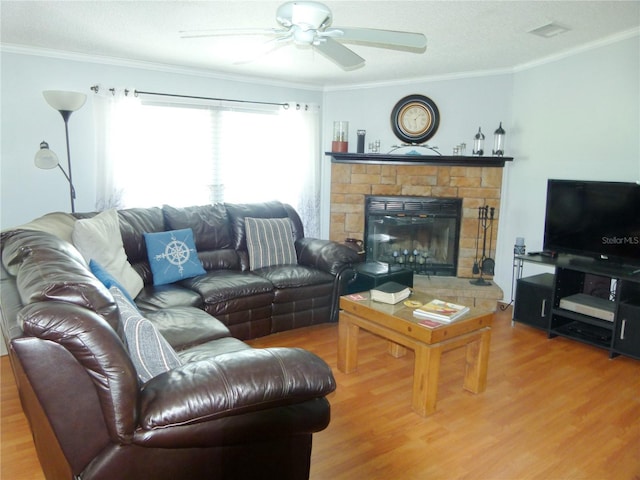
x=415, y=119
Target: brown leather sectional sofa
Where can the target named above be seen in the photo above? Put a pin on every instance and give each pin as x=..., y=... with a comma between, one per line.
x=229, y=411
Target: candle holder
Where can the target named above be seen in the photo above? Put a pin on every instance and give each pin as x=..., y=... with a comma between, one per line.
x=498, y=141
x=340, y=141
x=478, y=143
x=361, y=135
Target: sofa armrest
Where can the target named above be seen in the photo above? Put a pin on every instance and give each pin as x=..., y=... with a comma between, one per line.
x=326, y=255
x=232, y=384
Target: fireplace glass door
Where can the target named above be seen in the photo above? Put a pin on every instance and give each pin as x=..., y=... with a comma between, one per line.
x=418, y=233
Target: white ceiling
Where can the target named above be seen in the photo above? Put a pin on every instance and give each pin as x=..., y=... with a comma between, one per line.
x=462, y=36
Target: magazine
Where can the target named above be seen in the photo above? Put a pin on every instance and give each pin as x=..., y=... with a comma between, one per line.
x=441, y=311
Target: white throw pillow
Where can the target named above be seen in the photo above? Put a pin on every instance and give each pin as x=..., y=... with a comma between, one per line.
x=99, y=239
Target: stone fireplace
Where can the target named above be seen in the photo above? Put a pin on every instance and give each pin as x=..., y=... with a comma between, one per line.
x=475, y=186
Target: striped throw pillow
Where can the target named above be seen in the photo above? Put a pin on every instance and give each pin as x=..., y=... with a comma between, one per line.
x=270, y=242
x=150, y=352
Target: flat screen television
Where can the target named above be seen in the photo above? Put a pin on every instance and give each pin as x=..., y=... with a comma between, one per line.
x=599, y=220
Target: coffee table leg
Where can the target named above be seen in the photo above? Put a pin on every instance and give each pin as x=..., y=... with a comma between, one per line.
x=477, y=361
x=396, y=350
x=347, y=345
x=425, y=379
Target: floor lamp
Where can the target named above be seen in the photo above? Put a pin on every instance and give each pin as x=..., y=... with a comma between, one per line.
x=66, y=103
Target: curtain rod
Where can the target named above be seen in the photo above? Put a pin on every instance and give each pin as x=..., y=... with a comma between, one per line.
x=136, y=92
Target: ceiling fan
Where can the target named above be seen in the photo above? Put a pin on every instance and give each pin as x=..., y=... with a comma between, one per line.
x=308, y=23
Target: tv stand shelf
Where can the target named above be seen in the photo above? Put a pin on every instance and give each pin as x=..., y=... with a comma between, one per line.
x=604, y=306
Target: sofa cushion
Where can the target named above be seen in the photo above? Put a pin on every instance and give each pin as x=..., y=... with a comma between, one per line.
x=209, y=223
x=59, y=224
x=225, y=285
x=226, y=259
x=269, y=242
x=173, y=256
x=208, y=350
x=150, y=352
x=160, y=297
x=184, y=327
x=239, y=211
x=295, y=276
x=99, y=238
x=133, y=223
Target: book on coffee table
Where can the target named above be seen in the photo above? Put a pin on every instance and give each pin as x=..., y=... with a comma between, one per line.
x=390, y=292
x=440, y=310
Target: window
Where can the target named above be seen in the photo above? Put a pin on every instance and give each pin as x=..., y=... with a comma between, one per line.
x=170, y=160
x=183, y=155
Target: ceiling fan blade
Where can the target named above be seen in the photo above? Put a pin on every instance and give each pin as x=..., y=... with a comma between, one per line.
x=340, y=54
x=381, y=38
x=232, y=31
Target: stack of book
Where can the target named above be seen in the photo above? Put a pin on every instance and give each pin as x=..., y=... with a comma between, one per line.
x=390, y=292
x=440, y=311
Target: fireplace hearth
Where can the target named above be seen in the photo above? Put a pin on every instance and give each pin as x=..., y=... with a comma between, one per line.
x=418, y=233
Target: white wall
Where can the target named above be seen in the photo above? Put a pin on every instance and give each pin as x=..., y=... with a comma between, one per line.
x=574, y=117
x=464, y=105
x=28, y=192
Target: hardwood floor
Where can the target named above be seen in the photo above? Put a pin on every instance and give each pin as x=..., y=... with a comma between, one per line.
x=553, y=409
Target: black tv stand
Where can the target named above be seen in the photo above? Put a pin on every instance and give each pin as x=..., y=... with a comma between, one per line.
x=539, y=301
x=605, y=266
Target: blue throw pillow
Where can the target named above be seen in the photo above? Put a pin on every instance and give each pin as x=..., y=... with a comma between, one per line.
x=107, y=279
x=172, y=256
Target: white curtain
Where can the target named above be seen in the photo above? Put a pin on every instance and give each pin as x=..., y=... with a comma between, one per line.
x=302, y=152
x=273, y=155
x=150, y=153
x=115, y=118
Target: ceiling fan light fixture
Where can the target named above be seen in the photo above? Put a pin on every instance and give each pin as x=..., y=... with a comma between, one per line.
x=314, y=15
x=303, y=36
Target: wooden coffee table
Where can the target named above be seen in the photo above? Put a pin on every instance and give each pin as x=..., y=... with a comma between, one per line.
x=397, y=324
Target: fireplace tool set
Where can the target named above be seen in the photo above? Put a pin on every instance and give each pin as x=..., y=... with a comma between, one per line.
x=483, y=264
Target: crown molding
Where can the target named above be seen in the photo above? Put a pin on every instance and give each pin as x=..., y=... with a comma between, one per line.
x=486, y=73
x=425, y=79
x=151, y=66
x=618, y=37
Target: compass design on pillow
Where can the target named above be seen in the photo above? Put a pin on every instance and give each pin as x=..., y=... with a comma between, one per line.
x=176, y=253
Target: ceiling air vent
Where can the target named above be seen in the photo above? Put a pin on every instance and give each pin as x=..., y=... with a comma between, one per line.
x=549, y=30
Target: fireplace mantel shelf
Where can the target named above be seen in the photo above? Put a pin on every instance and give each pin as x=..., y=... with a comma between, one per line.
x=442, y=160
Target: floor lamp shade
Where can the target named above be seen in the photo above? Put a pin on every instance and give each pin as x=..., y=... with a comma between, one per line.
x=64, y=101
x=45, y=158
